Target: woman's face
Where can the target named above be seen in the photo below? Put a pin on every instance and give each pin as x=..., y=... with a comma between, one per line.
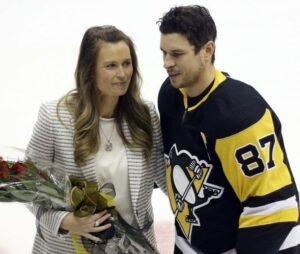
x=113, y=69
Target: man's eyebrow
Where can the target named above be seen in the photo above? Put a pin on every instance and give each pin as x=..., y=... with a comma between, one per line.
x=177, y=51
x=174, y=50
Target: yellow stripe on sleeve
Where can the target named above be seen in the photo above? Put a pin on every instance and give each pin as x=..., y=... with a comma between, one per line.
x=287, y=215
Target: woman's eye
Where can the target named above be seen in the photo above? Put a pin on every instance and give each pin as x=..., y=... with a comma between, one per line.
x=127, y=63
x=110, y=65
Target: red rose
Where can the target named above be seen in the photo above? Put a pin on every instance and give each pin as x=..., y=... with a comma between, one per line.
x=18, y=169
x=3, y=174
x=3, y=165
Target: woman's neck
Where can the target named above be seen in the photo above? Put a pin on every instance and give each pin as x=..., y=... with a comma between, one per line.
x=107, y=107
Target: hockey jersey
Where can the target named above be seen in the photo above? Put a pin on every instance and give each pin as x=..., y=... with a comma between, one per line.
x=229, y=181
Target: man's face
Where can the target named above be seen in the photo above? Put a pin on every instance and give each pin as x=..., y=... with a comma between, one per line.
x=184, y=67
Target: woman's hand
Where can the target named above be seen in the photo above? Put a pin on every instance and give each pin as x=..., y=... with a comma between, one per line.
x=85, y=225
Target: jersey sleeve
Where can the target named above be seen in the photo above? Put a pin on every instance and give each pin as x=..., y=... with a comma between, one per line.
x=255, y=164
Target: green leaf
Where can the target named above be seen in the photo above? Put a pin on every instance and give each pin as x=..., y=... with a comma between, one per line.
x=47, y=189
x=24, y=195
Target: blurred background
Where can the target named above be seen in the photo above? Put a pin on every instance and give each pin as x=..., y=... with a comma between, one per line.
x=258, y=42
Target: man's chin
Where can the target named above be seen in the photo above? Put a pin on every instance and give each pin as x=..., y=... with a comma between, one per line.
x=176, y=84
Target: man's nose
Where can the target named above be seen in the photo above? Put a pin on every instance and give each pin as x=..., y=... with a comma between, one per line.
x=168, y=62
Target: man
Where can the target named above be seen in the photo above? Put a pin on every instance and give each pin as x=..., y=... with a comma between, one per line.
x=229, y=180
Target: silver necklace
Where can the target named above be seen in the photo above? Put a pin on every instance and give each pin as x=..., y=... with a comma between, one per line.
x=108, y=145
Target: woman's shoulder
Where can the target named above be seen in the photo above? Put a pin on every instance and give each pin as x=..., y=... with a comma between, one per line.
x=150, y=105
x=153, y=113
x=48, y=108
x=49, y=105
x=152, y=109
x=55, y=109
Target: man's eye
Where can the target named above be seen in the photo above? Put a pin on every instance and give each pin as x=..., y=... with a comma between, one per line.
x=177, y=54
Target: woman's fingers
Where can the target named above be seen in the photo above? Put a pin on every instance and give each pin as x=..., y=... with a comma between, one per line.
x=100, y=228
x=91, y=223
x=97, y=216
x=91, y=237
x=93, y=217
x=101, y=219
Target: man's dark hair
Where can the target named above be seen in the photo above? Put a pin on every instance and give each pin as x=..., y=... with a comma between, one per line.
x=192, y=21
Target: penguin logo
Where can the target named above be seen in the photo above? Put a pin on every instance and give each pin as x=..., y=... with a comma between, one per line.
x=188, y=187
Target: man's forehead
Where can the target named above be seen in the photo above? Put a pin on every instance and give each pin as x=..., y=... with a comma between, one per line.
x=174, y=41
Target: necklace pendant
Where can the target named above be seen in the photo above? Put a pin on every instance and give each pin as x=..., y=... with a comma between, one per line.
x=108, y=146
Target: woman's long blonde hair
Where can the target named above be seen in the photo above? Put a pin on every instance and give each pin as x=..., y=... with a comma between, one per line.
x=83, y=102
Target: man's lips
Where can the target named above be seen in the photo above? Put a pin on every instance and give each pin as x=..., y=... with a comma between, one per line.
x=173, y=75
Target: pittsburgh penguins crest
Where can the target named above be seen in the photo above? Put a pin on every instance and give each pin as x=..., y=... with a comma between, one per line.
x=188, y=187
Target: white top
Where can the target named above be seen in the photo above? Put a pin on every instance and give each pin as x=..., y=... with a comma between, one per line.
x=111, y=167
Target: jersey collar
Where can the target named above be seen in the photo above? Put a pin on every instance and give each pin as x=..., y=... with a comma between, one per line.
x=219, y=78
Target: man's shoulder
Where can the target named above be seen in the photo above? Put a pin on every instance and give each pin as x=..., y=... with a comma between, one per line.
x=235, y=106
x=235, y=94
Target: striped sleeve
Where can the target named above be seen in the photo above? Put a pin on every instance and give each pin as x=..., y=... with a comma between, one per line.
x=158, y=151
x=42, y=144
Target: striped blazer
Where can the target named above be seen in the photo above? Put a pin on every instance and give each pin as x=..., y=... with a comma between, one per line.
x=54, y=141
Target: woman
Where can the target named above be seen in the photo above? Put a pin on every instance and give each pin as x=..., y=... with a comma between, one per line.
x=102, y=131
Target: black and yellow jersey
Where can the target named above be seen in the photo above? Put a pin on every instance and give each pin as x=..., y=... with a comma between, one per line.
x=229, y=181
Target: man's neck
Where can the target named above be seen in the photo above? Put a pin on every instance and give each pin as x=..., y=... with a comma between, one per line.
x=207, y=76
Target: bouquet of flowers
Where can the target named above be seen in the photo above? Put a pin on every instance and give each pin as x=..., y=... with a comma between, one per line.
x=30, y=181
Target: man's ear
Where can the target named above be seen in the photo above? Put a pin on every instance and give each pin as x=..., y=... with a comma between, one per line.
x=209, y=50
